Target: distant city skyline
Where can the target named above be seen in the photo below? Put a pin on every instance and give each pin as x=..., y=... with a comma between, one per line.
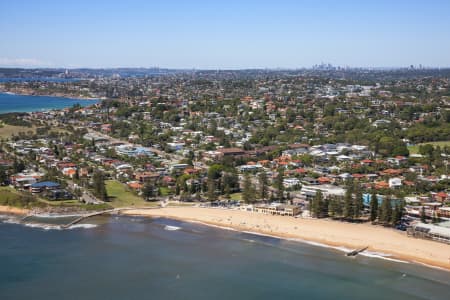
x=226, y=35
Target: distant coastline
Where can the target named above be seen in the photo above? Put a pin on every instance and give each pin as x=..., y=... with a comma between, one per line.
x=26, y=103
x=28, y=92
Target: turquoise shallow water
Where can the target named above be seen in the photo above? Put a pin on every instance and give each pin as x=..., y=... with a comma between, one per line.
x=24, y=103
x=139, y=258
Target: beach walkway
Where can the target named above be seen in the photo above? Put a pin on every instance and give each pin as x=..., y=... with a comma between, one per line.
x=98, y=213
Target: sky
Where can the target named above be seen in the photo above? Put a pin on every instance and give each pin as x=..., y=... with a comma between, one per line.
x=226, y=34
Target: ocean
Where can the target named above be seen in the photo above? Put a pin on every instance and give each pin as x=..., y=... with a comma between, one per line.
x=143, y=258
x=24, y=103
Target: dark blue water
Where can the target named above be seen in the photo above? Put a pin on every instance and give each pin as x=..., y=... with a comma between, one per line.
x=23, y=103
x=138, y=258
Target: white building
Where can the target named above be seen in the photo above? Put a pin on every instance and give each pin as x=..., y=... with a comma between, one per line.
x=395, y=182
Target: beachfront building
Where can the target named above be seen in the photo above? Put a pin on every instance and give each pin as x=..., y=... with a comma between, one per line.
x=277, y=209
x=309, y=191
x=438, y=232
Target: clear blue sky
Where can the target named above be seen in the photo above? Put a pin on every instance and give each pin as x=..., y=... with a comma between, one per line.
x=224, y=34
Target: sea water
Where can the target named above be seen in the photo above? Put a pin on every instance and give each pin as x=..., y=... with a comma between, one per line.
x=143, y=258
x=25, y=103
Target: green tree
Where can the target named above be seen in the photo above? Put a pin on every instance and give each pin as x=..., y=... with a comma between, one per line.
x=18, y=166
x=263, y=185
x=386, y=211
x=338, y=209
x=316, y=204
x=423, y=216
x=332, y=207
x=99, y=186
x=397, y=214
x=373, y=207
x=248, y=191
x=214, y=173
x=211, y=193
x=147, y=191
x=348, y=204
x=279, y=185
x=3, y=175
x=358, y=204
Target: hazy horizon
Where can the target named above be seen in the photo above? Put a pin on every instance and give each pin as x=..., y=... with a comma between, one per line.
x=234, y=35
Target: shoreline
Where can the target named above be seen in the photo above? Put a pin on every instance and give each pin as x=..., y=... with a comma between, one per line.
x=384, y=243
x=395, y=245
x=30, y=93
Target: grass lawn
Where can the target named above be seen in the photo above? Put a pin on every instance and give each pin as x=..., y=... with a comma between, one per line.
x=120, y=195
x=75, y=204
x=6, y=131
x=236, y=196
x=415, y=149
x=11, y=197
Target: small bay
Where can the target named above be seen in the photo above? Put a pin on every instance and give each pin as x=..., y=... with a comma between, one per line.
x=26, y=103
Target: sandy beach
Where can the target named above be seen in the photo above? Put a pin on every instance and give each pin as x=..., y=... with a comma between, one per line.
x=332, y=233
x=13, y=210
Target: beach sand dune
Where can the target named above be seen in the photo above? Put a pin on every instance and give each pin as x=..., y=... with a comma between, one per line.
x=328, y=232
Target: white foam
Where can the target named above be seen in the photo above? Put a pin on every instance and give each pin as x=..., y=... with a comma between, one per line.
x=262, y=234
x=8, y=219
x=172, y=228
x=54, y=216
x=42, y=226
x=430, y=266
x=381, y=256
x=83, y=226
x=317, y=244
x=12, y=220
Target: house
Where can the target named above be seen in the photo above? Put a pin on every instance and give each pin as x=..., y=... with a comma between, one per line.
x=106, y=128
x=324, y=180
x=395, y=182
x=310, y=181
x=367, y=162
x=135, y=185
x=291, y=182
x=233, y=152
x=44, y=185
x=441, y=197
x=146, y=176
x=175, y=146
x=24, y=181
x=70, y=172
